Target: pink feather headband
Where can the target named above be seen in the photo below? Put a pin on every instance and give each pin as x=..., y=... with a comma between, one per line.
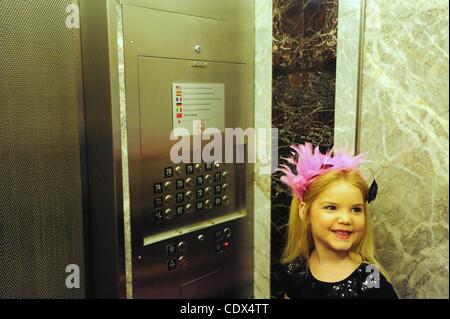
x=312, y=163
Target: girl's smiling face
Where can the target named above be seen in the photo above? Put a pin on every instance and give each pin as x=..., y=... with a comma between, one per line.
x=337, y=217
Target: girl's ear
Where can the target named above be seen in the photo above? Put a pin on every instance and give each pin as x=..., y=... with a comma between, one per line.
x=302, y=212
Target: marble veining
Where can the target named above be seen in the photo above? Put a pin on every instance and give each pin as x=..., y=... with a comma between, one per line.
x=304, y=70
x=263, y=115
x=404, y=126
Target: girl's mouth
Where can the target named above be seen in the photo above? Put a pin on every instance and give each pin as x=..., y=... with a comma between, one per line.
x=342, y=234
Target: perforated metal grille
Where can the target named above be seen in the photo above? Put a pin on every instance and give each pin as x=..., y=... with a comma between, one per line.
x=41, y=229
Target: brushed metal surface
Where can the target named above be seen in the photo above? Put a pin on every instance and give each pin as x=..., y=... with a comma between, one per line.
x=153, y=61
x=41, y=151
x=229, y=10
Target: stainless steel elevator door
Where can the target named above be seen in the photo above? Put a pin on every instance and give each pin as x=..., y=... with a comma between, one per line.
x=41, y=102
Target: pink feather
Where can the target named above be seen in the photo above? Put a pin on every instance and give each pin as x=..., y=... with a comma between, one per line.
x=311, y=163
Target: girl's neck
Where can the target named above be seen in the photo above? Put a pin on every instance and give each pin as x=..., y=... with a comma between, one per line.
x=331, y=266
x=326, y=257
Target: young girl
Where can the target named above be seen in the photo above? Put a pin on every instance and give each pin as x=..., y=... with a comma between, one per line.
x=330, y=248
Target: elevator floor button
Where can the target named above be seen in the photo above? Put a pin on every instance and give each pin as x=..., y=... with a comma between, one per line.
x=227, y=232
x=169, y=213
x=189, y=182
x=168, y=186
x=179, y=170
x=225, y=176
x=226, y=188
x=182, y=246
x=190, y=208
x=168, y=200
x=189, y=196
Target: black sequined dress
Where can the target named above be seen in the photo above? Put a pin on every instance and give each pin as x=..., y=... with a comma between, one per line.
x=363, y=283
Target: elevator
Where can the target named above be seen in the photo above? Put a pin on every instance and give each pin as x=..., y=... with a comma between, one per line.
x=171, y=226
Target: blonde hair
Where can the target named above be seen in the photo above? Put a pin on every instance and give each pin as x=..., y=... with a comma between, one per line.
x=300, y=242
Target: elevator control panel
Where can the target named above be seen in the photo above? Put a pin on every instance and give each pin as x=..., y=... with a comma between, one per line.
x=190, y=218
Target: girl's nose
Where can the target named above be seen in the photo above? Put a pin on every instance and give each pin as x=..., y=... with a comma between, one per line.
x=344, y=217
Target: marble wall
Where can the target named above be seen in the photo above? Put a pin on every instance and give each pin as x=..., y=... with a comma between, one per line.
x=304, y=69
x=404, y=126
x=262, y=173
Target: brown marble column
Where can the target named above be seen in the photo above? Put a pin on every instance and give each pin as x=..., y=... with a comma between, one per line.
x=304, y=73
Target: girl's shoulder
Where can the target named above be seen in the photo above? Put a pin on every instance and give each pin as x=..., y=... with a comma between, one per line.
x=297, y=267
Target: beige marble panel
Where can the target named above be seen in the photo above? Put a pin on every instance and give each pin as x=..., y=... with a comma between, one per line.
x=263, y=120
x=124, y=143
x=348, y=39
x=404, y=126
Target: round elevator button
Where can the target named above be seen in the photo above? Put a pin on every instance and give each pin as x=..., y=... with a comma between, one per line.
x=208, y=179
x=208, y=204
x=189, y=196
x=179, y=170
x=169, y=213
x=168, y=186
x=168, y=200
x=190, y=208
x=225, y=176
x=217, y=164
x=226, y=200
x=226, y=188
x=189, y=182
x=182, y=261
x=182, y=246
x=201, y=237
x=198, y=167
x=227, y=232
x=208, y=191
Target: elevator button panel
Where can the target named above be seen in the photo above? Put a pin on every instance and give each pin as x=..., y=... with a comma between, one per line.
x=189, y=190
x=177, y=252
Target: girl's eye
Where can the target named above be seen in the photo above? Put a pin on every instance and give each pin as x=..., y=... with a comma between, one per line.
x=357, y=210
x=330, y=207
